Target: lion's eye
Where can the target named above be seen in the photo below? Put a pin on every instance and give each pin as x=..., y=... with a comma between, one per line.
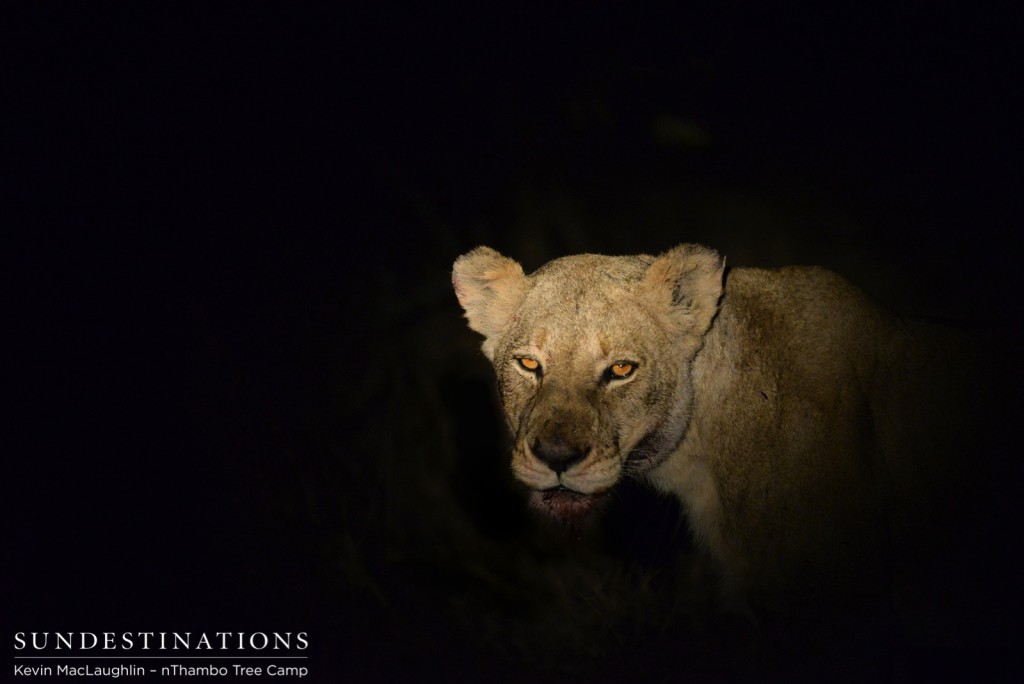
x=621, y=369
x=532, y=365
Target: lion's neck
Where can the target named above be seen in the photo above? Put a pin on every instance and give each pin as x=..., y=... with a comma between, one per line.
x=687, y=472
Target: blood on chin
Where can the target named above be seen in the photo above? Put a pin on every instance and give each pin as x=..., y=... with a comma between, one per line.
x=567, y=505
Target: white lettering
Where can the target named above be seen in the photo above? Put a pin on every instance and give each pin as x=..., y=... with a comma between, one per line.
x=291, y=671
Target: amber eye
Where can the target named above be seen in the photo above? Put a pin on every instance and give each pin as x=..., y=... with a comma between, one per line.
x=532, y=365
x=621, y=369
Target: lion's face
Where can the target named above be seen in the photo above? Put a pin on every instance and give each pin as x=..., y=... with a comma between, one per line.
x=592, y=356
x=587, y=385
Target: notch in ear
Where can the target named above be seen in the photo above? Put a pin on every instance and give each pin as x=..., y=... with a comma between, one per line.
x=687, y=282
x=490, y=287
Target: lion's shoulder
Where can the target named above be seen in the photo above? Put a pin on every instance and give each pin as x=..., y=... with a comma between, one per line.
x=801, y=317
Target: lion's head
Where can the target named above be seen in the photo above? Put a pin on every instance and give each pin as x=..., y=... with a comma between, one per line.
x=593, y=356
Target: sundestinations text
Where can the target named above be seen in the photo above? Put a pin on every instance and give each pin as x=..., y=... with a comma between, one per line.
x=161, y=641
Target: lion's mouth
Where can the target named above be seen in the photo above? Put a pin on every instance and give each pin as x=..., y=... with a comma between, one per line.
x=566, y=504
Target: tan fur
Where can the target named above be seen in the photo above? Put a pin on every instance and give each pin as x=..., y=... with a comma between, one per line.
x=803, y=428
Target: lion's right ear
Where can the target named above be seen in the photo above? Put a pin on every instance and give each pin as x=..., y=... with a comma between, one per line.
x=490, y=287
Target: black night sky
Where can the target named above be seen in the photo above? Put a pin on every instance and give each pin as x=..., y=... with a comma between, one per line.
x=243, y=393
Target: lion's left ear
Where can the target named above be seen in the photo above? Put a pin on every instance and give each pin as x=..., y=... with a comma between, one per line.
x=687, y=280
x=490, y=288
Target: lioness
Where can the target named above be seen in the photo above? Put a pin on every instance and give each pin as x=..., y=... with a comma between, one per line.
x=804, y=429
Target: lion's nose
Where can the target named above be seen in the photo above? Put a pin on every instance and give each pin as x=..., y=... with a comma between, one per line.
x=558, y=453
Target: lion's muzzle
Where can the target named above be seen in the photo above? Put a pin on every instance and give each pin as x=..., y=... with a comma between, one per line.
x=559, y=453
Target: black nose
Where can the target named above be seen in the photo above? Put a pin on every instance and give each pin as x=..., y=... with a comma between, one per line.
x=558, y=453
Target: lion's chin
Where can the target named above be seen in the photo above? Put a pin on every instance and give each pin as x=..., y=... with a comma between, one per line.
x=566, y=505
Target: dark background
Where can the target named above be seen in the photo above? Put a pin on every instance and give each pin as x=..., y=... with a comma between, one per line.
x=243, y=396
